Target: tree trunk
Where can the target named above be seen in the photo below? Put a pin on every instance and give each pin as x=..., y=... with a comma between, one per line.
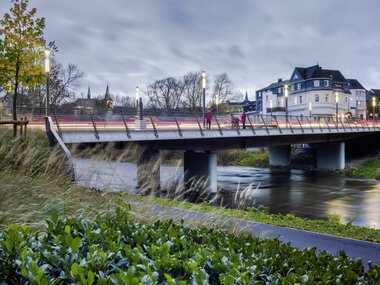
x=14, y=111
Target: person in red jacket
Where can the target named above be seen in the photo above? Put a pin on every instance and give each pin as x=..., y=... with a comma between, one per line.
x=208, y=117
x=243, y=117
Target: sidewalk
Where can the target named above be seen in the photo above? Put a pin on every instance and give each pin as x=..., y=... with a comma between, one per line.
x=367, y=251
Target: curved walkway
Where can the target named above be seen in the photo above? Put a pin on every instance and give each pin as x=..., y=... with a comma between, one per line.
x=367, y=251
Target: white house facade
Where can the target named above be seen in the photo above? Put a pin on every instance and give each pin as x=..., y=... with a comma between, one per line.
x=314, y=92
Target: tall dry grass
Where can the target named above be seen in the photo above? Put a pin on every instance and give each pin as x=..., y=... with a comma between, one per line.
x=34, y=182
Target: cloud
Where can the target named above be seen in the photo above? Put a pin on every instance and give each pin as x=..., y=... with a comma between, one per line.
x=129, y=43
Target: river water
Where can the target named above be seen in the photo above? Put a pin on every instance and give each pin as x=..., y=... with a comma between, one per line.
x=307, y=194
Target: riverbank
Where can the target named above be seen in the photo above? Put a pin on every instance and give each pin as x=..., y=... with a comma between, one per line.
x=32, y=186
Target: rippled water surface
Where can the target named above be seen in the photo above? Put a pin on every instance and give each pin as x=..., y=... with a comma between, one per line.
x=303, y=193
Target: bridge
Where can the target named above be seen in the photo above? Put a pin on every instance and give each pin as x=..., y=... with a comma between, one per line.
x=186, y=131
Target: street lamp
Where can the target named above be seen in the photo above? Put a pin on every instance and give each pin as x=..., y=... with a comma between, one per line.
x=373, y=106
x=271, y=109
x=286, y=103
x=47, y=70
x=310, y=110
x=336, y=105
x=139, y=105
x=204, y=96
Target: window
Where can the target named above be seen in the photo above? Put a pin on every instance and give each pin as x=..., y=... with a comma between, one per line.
x=316, y=83
x=295, y=100
x=316, y=98
x=295, y=76
x=279, y=90
x=299, y=86
x=345, y=99
x=292, y=87
x=266, y=98
x=327, y=98
x=326, y=83
x=300, y=99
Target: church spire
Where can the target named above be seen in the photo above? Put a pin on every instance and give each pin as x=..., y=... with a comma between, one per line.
x=108, y=94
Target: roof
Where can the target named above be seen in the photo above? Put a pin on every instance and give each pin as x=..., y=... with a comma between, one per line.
x=108, y=96
x=317, y=71
x=355, y=84
x=277, y=84
x=375, y=92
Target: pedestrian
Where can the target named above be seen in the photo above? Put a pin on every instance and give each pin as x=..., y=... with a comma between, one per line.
x=208, y=117
x=243, y=117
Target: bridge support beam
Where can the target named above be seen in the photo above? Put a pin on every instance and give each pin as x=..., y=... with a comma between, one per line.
x=148, y=170
x=331, y=155
x=279, y=155
x=200, y=174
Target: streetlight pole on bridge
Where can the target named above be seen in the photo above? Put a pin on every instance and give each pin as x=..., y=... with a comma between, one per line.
x=47, y=70
x=286, y=103
x=204, y=96
x=336, y=105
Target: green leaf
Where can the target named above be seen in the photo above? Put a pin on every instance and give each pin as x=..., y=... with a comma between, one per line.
x=75, y=244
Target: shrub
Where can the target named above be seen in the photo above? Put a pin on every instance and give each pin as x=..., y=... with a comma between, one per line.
x=113, y=249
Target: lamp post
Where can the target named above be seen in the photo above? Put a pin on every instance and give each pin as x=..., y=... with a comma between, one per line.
x=140, y=123
x=286, y=103
x=310, y=110
x=217, y=104
x=271, y=109
x=336, y=105
x=47, y=70
x=204, y=96
x=373, y=106
x=139, y=104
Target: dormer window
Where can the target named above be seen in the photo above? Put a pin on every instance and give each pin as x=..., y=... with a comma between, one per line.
x=316, y=83
x=326, y=83
x=292, y=87
x=299, y=86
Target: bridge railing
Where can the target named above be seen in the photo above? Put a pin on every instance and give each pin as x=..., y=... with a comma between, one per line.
x=98, y=120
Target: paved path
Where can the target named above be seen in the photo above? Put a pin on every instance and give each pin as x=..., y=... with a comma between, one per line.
x=367, y=251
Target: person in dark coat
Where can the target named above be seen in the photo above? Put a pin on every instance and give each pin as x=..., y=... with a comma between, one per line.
x=208, y=117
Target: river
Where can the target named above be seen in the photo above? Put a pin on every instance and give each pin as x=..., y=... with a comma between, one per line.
x=307, y=194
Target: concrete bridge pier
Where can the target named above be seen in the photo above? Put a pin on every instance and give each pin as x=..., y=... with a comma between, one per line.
x=148, y=170
x=331, y=155
x=279, y=156
x=200, y=174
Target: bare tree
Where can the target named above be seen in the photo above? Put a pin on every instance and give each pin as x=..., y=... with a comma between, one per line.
x=124, y=101
x=224, y=89
x=165, y=93
x=192, y=91
x=63, y=83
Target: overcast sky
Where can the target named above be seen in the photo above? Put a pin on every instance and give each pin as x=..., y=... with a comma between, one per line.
x=130, y=43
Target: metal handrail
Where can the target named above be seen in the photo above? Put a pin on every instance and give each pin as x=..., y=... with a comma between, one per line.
x=328, y=126
x=278, y=125
x=94, y=125
x=178, y=127
x=252, y=127
x=199, y=125
x=299, y=123
x=266, y=127
x=154, y=126
x=57, y=123
x=125, y=124
x=220, y=129
x=311, y=127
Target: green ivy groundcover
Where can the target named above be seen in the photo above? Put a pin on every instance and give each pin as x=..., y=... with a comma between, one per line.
x=114, y=249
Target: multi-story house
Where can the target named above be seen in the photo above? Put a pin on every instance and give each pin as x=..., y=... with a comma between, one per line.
x=314, y=92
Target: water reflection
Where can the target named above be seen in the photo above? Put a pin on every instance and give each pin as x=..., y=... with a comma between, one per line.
x=304, y=193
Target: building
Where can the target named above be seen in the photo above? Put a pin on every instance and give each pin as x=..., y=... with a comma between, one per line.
x=246, y=105
x=315, y=92
x=85, y=104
